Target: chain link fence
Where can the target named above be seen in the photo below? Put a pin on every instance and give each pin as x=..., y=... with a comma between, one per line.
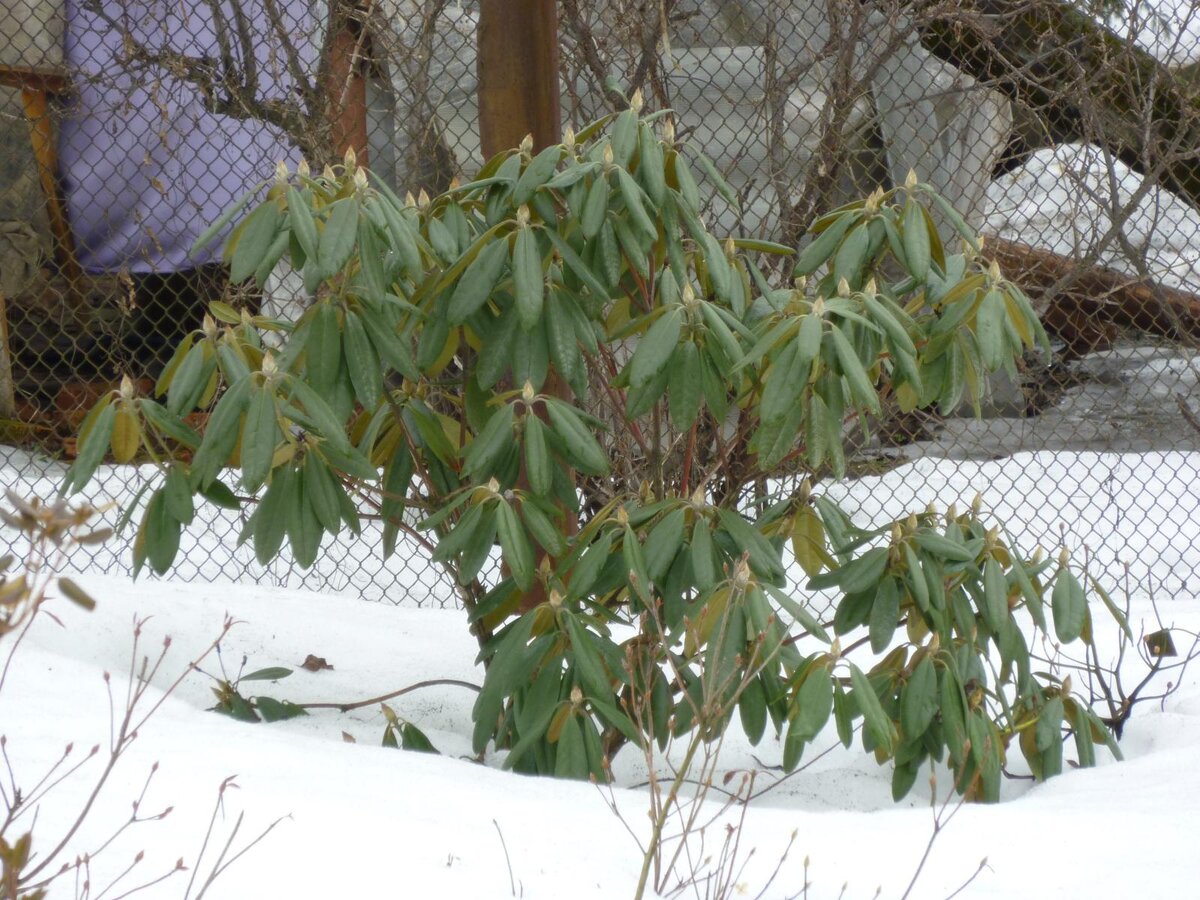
x=1065, y=133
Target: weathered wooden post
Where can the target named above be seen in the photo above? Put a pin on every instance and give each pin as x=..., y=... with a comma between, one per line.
x=346, y=88
x=518, y=95
x=518, y=74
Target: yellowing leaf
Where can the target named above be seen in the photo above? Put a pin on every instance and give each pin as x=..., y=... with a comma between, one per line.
x=126, y=434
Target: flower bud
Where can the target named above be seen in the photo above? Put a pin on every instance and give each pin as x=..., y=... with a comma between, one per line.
x=741, y=573
x=910, y=180
x=302, y=169
x=281, y=172
x=350, y=160
x=523, y=216
x=526, y=147
x=637, y=101
x=843, y=288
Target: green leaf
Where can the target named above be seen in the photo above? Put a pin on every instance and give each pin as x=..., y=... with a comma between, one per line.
x=1069, y=606
x=915, y=238
x=752, y=708
x=595, y=208
x=160, y=533
x=528, y=278
x=366, y=374
x=885, y=615
x=321, y=490
x=861, y=388
x=259, y=438
x=821, y=248
x=583, y=451
x=663, y=544
x=851, y=255
x=650, y=165
x=273, y=710
x=875, y=719
x=995, y=596
x=251, y=241
x=490, y=445
x=919, y=699
x=338, y=238
x=1049, y=724
x=655, y=348
x=371, y=250
x=178, y=496
x=803, y=617
x=301, y=223
x=588, y=663
x=537, y=173
x=764, y=558
x=188, y=382
x=323, y=348
x=814, y=700
x=989, y=330
x=514, y=544
x=632, y=195
x=413, y=738
x=477, y=282
x=544, y=531
x=271, y=673
x=538, y=466
x=93, y=444
x=561, y=339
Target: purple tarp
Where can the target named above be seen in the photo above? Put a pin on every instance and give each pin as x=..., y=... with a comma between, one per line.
x=145, y=165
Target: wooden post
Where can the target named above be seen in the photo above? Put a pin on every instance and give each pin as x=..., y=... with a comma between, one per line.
x=36, y=87
x=518, y=95
x=518, y=74
x=346, y=90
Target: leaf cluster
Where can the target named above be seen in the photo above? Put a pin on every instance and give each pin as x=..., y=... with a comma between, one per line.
x=559, y=360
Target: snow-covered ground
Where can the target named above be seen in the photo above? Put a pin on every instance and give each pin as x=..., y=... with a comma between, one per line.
x=365, y=821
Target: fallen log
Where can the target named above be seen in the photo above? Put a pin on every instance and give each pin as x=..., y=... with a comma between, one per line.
x=1095, y=304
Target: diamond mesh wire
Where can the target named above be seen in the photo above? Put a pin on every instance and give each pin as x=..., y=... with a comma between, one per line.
x=1063, y=132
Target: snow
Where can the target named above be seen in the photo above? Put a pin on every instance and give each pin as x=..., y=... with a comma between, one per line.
x=1169, y=30
x=1066, y=199
x=365, y=821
